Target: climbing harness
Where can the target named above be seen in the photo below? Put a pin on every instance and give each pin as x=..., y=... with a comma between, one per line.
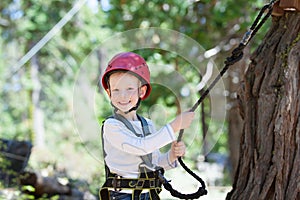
x=237, y=55
x=150, y=177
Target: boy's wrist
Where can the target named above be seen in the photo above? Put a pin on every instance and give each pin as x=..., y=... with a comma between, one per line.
x=172, y=157
x=174, y=126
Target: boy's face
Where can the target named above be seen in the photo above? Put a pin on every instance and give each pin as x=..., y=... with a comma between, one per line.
x=125, y=90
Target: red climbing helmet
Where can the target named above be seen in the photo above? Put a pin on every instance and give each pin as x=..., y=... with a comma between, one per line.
x=131, y=62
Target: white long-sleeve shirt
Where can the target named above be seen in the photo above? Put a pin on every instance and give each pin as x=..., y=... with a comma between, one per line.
x=124, y=149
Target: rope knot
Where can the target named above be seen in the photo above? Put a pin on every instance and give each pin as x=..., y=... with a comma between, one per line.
x=236, y=55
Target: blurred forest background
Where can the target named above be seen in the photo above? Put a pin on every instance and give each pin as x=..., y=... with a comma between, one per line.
x=53, y=52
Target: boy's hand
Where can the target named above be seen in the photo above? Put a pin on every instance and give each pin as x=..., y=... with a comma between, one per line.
x=182, y=121
x=177, y=150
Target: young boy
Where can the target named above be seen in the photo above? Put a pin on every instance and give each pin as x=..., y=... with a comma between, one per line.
x=131, y=144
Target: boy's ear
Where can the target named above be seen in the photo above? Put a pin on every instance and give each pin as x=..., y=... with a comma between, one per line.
x=143, y=91
x=108, y=92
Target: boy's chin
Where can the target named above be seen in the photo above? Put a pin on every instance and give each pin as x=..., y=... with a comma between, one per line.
x=123, y=110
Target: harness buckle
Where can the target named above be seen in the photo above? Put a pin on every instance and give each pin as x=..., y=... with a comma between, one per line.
x=116, y=183
x=162, y=179
x=152, y=183
x=140, y=184
x=132, y=184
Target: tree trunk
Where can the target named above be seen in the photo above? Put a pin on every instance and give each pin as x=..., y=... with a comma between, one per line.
x=37, y=112
x=270, y=105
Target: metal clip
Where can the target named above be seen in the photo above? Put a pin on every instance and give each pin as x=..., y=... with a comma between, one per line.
x=132, y=184
x=162, y=179
x=246, y=37
x=116, y=183
x=152, y=183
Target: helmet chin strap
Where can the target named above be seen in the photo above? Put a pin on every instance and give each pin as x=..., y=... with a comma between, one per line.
x=130, y=110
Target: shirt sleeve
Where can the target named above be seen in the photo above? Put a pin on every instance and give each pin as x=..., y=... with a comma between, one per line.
x=120, y=137
x=163, y=160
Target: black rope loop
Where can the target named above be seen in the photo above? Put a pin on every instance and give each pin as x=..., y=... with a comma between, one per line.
x=201, y=191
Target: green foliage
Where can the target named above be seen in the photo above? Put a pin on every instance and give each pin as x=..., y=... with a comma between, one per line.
x=59, y=61
x=77, y=46
x=5, y=166
x=30, y=189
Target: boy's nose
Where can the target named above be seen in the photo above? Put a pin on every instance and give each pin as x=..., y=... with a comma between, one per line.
x=123, y=94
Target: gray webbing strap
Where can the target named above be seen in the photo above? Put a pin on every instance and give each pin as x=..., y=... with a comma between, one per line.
x=147, y=159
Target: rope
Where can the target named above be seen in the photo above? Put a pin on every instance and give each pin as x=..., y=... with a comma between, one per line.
x=54, y=30
x=200, y=192
x=236, y=55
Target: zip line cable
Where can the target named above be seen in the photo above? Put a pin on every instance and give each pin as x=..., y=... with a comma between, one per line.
x=237, y=55
x=55, y=29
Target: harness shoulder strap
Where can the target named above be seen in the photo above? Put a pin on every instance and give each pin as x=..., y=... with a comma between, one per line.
x=126, y=123
x=147, y=159
x=145, y=125
x=103, y=151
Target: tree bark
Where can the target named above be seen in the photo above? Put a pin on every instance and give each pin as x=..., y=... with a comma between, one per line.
x=270, y=105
